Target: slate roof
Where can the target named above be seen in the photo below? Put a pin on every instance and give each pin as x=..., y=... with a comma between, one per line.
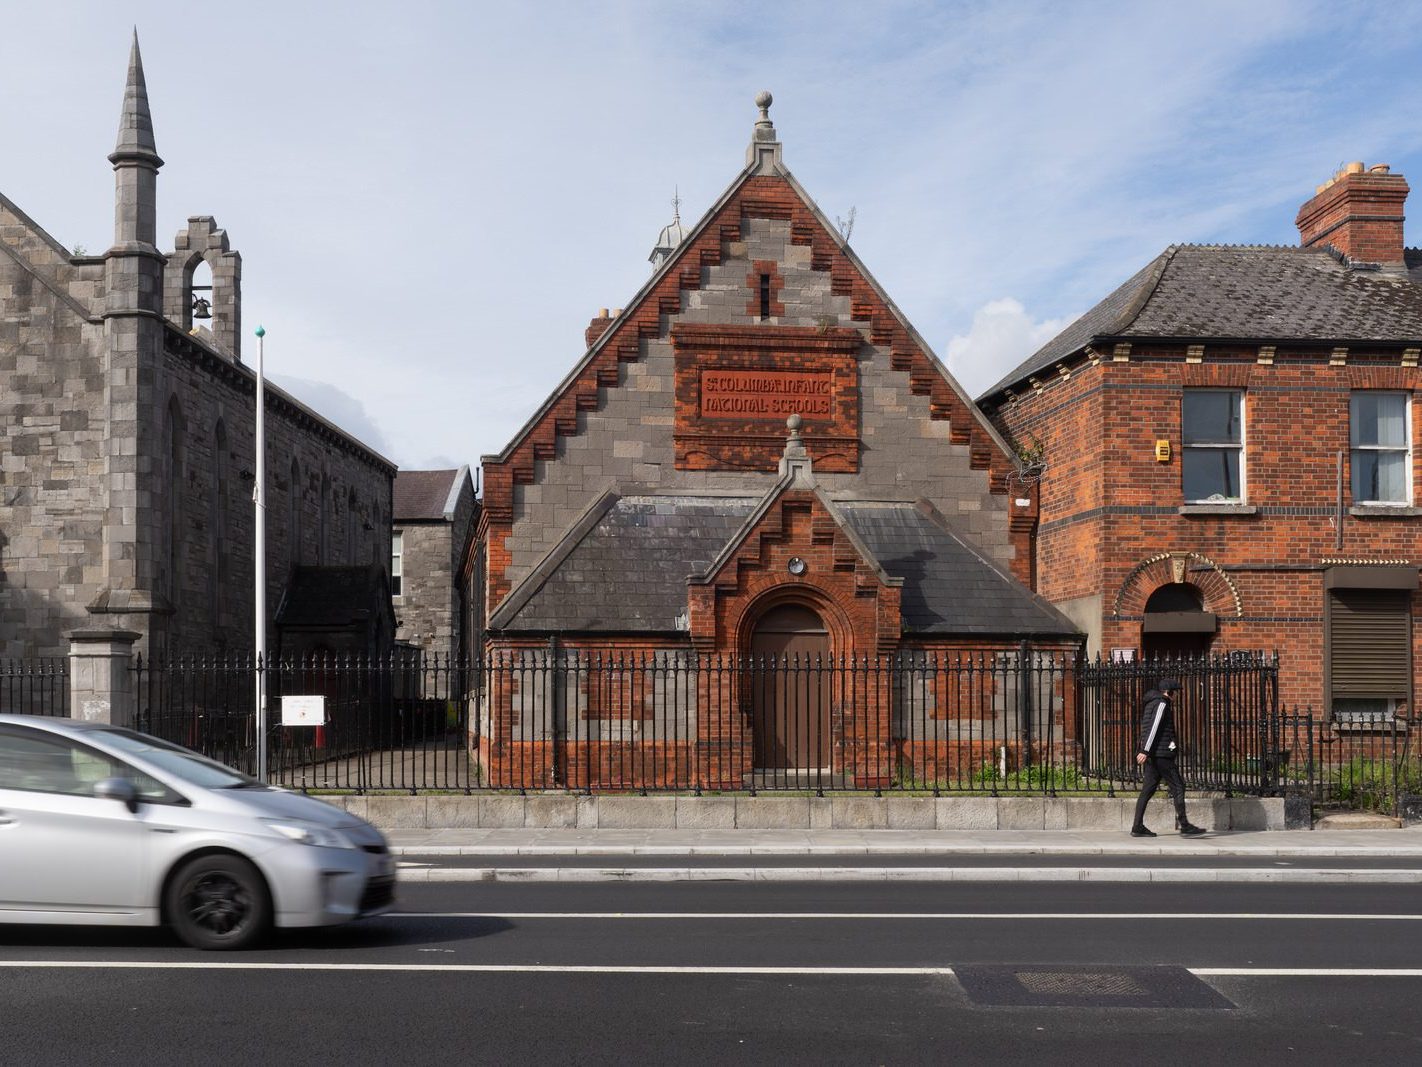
x=948, y=587
x=1253, y=293
x=422, y=495
x=628, y=573
x=334, y=597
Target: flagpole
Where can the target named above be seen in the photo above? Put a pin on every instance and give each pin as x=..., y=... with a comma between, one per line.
x=259, y=558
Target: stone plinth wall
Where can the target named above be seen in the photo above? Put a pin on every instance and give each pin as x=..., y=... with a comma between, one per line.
x=559, y=811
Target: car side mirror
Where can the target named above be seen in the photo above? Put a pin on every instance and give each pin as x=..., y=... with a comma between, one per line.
x=120, y=789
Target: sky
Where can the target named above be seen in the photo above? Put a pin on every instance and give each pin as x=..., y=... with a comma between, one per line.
x=433, y=199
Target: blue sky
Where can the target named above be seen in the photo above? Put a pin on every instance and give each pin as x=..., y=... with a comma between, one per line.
x=432, y=199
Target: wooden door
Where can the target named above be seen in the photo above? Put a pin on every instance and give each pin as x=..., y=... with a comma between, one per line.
x=790, y=687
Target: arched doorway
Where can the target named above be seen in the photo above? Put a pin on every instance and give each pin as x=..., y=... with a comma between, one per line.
x=790, y=688
x=1176, y=624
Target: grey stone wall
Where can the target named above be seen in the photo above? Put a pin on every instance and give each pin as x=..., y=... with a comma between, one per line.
x=89, y=496
x=428, y=608
x=628, y=440
x=342, y=502
x=52, y=438
x=425, y=610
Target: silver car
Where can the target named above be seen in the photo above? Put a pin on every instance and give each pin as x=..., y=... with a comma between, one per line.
x=102, y=825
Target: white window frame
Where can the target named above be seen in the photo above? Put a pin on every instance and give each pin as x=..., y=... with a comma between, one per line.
x=1406, y=448
x=1241, y=447
x=397, y=563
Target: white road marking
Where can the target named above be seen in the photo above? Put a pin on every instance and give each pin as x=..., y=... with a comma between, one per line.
x=879, y=915
x=1304, y=972
x=548, y=968
x=495, y=968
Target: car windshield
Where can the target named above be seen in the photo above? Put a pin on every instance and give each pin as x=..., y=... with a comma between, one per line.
x=180, y=762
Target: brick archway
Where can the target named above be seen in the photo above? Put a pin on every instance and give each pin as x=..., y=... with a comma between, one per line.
x=1221, y=596
x=761, y=599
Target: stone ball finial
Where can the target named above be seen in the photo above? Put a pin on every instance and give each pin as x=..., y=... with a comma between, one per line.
x=793, y=423
x=763, y=99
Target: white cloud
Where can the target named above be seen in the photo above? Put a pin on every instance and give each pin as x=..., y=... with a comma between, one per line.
x=337, y=406
x=430, y=207
x=1003, y=334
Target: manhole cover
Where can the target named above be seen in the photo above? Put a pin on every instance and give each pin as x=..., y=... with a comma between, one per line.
x=1022, y=986
x=1081, y=984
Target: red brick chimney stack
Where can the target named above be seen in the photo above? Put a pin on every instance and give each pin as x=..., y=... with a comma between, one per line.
x=601, y=321
x=1358, y=212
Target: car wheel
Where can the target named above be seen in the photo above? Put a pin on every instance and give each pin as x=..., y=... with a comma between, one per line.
x=218, y=902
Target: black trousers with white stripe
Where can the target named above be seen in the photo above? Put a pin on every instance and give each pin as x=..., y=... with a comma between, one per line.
x=1158, y=769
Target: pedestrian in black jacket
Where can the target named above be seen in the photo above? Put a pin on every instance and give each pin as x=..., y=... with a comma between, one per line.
x=1156, y=755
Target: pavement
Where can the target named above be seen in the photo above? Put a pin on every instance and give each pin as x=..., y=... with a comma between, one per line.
x=1360, y=856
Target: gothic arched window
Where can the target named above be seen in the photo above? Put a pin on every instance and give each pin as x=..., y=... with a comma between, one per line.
x=293, y=515
x=217, y=553
x=172, y=554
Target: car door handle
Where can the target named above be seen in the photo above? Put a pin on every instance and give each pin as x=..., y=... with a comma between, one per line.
x=163, y=829
x=6, y=819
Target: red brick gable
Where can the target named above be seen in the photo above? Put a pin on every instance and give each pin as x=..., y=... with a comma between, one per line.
x=858, y=602
x=760, y=196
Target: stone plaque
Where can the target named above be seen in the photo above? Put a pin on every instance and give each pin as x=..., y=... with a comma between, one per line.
x=766, y=394
x=737, y=384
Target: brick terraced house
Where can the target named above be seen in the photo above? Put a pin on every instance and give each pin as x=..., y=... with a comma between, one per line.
x=758, y=457
x=1227, y=446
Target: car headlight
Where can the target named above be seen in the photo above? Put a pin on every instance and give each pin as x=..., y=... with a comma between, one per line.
x=309, y=833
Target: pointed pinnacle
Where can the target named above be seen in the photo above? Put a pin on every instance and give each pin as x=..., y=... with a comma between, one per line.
x=135, y=135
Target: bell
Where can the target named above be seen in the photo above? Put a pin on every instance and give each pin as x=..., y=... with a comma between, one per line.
x=202, y=308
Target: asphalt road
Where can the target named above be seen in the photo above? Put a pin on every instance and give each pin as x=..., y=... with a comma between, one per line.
x=830, y=972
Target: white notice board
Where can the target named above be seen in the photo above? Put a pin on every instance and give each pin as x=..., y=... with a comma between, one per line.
x=303, y=711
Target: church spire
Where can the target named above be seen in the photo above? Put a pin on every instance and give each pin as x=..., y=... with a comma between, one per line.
x=136, y=163
x=135, y=135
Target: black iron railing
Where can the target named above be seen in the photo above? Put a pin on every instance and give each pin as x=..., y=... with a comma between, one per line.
x=1359, y=762
x=35, y=686
x=992, y=722
x=396, y=723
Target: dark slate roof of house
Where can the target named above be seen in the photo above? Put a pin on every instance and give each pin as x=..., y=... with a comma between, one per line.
x=1242, y=292
x=948, y=587
x=628, y=572
x=334, y=597
x=422, y=495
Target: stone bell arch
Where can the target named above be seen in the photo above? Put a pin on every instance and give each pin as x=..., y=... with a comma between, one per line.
x=201, y=241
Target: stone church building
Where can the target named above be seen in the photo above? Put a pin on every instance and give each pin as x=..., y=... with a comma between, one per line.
x=127, y=438
x=758, y=457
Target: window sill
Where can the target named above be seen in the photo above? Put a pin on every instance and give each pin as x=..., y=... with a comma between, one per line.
x=1370, y=726
x=1218, y=509
x=1383, y=511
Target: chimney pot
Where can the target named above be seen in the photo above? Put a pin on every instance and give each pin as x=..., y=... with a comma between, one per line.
x=1355, y=167
x=1379, y=168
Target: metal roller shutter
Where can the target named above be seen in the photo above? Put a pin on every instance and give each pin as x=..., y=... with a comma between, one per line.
x=1370, y=643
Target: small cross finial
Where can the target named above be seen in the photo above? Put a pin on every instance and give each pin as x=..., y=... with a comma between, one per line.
x=676, y=203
